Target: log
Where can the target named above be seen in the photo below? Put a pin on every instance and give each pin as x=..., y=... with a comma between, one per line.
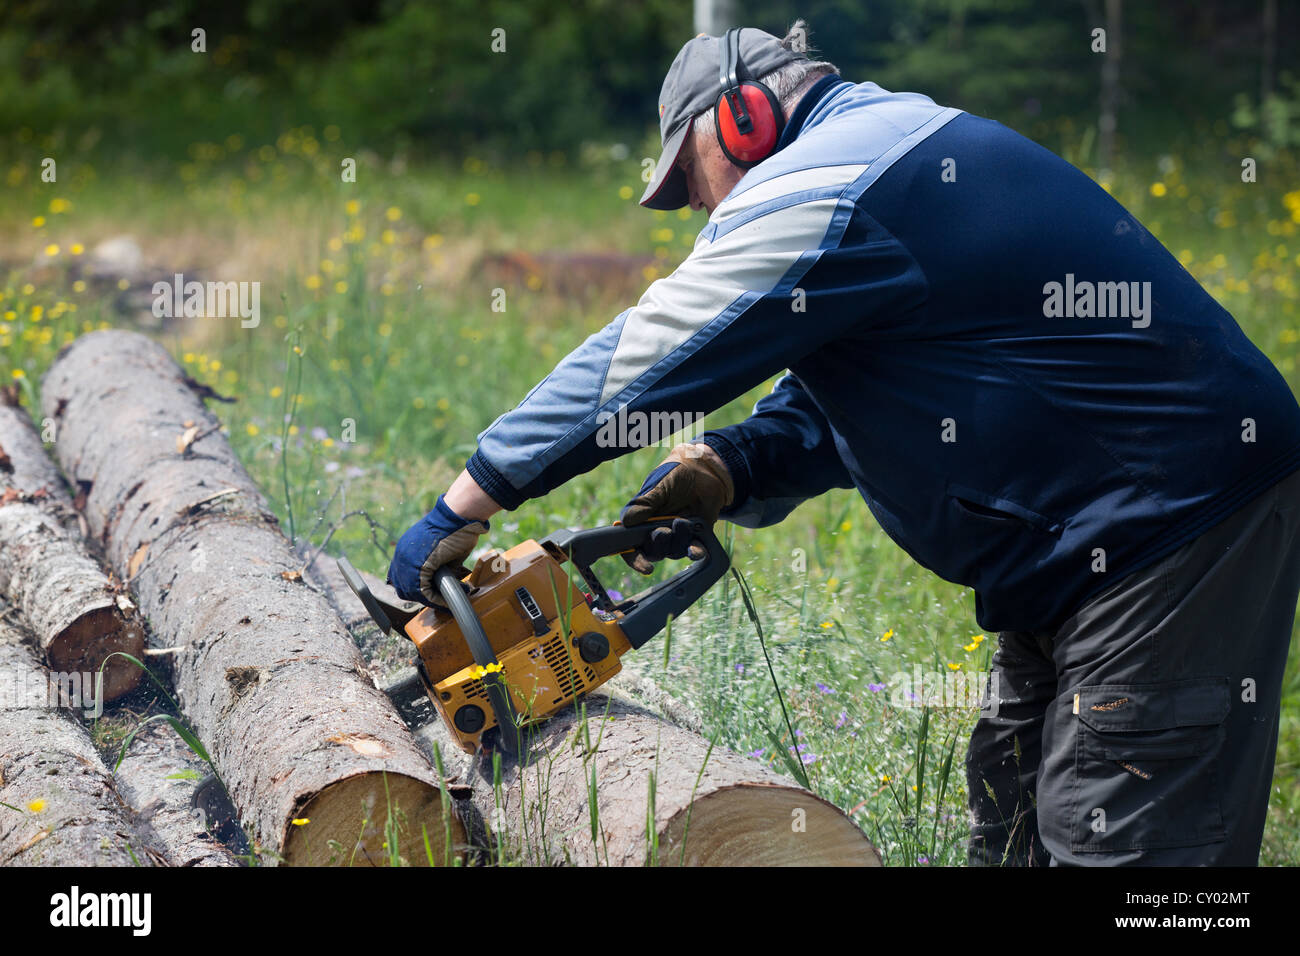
x=726, y=810
x=156, y=780
x=58, y=805
x=264, y=671
x=736, y=812
x=76, y=613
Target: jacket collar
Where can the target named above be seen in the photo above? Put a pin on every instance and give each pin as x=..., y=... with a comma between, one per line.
x=817, y=93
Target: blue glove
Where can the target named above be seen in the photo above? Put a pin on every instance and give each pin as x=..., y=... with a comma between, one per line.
x=441, y=537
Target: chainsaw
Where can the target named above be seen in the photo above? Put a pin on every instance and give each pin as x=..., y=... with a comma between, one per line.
x=520, y=639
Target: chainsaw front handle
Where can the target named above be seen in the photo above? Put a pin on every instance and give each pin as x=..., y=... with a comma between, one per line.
x=646, y=614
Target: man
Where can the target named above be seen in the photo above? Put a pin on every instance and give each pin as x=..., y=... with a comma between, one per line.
x=1032, y=396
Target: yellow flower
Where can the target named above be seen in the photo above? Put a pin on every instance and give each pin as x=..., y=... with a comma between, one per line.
x=28, y=288
x=124, y=284
x=36, y=806
x=52, y=250
x=301, y=821
x=625, y=192
x=388, y=237
x=352, y=207
x=472, y=199
x=826, y=624
x=885, y=778
x=846, y=526
x=443, y=404
x=340, y=287
x=1158, y=189
x=393, y=213
x=432, y=241
x=887, y=635
x=327, y=442
x=953, y=667
x=684, y=213
x=38, y=221
x=480, y=672
x=276, y=391
x=335, y=244
x=79, y=286
x=19, y=373
x=59, y=205
x=831, y=583
x=312, y=282
x=251, y=428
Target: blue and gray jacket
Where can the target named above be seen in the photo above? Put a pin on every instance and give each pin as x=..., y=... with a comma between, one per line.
x=1031, y=394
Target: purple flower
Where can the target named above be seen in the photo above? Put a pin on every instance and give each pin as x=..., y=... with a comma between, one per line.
x=809, y=758
x=740, y=668
x=319, y=433
x=875, y=688
x=758, y=752
x=798, y=733
x=824, y=689
x=843, y=718
x=911, y=696
x=613, y=595
x=922, y=859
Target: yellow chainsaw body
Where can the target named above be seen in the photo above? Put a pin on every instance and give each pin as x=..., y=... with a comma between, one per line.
x=541, y=671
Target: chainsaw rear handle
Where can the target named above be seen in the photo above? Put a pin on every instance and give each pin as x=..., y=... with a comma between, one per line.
x=647, y=613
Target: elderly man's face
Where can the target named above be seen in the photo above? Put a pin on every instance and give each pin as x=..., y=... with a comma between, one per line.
x=709, y=174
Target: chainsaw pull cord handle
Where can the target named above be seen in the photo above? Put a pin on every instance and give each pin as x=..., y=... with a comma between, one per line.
x=471, y=628
x=651, y=608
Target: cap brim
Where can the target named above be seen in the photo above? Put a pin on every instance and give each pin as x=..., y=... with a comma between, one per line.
x=668, y=189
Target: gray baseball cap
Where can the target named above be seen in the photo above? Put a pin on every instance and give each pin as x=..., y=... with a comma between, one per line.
x=691, y=87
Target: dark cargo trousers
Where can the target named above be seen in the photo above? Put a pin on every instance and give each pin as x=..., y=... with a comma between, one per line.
x=1144, y=730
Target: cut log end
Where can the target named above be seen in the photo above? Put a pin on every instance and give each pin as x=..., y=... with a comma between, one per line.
x=88, y=641
x=764, y=826
x=347, y=824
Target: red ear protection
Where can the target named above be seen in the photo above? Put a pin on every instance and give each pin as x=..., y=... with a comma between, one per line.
x=748, y=117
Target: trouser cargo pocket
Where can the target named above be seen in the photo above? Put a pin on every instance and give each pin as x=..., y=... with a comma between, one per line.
x=1147, y=758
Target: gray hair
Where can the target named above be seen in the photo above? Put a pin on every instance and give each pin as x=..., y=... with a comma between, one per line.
x=789, y=82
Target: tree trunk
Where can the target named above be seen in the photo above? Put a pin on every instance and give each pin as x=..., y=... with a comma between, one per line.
x=58, y=806
x=265, y=672
x=737, y=812
x=157, y=779
x=76, y=613
x=709, y=809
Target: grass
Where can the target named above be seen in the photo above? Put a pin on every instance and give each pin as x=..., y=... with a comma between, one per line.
x=380, y=357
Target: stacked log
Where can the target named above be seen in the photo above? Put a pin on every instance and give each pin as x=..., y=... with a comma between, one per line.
x=77, y=614
x=264, y=670
x=58, y=804
x=157, y=779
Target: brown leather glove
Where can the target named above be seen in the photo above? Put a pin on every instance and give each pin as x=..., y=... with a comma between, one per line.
x=691, y=481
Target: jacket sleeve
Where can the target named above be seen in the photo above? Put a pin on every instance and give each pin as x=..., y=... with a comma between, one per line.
x=768, y=282
x=779, y=457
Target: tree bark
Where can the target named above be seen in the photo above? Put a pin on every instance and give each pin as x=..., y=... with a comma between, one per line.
x=735, y=812
x=59, y=805
x=157, y=779
x=77, y=614
x=265, y=672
